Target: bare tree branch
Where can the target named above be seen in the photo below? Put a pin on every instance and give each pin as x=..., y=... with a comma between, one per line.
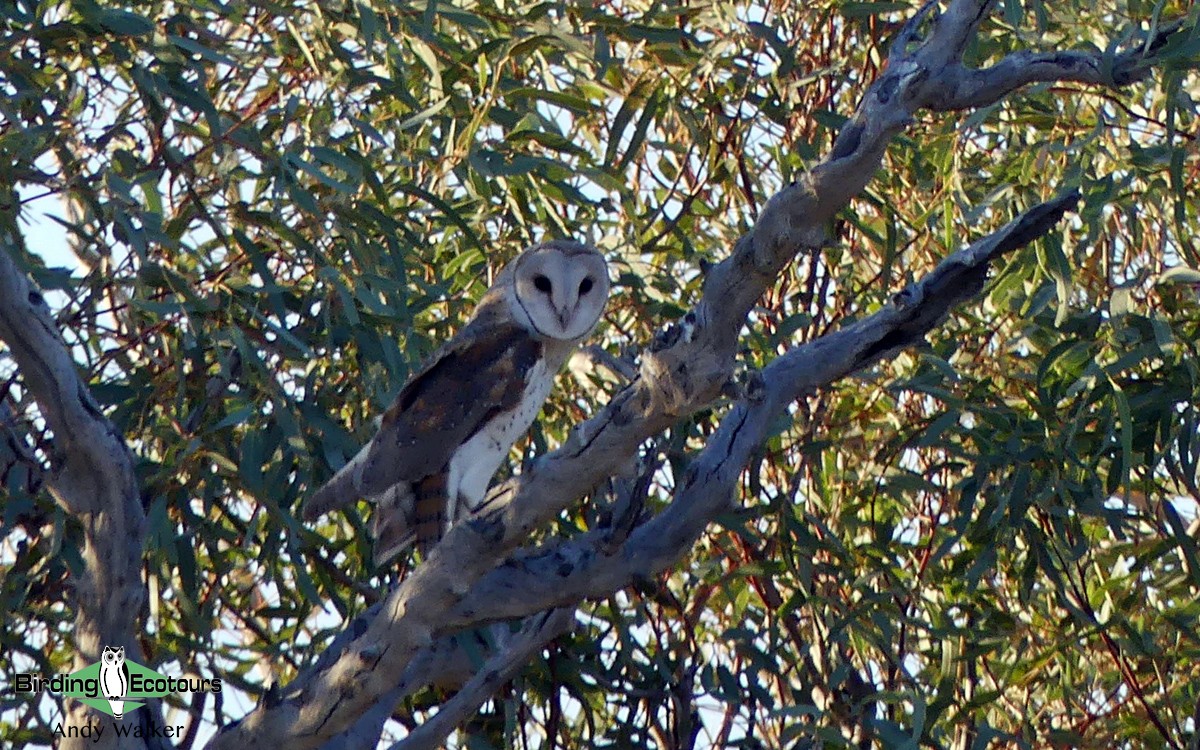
x=582, y=568
x=446, y=665
x=498, y=670
x=91, y=477
x=970, y=88
x=680, y=373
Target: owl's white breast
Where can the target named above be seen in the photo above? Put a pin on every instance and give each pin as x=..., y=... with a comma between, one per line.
x=475, y=461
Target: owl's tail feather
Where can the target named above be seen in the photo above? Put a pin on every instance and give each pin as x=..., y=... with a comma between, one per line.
x=429, y=512
x=408, y=514
x=392, y=527
x=344, y=488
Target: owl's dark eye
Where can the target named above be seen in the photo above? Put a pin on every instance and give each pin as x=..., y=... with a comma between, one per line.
x=542, y=283
x=585, y=286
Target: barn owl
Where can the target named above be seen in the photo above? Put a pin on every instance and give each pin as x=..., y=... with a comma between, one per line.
x=114, y=679
x=453, y=422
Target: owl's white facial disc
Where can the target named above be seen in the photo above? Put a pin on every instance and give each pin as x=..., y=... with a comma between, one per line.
x=561, y=287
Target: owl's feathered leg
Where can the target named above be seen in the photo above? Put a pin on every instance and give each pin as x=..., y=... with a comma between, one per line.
x=393, y=526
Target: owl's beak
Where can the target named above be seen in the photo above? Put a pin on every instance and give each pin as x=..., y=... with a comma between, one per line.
x=563, y=316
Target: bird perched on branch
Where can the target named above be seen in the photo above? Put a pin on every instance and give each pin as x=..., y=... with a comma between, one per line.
x=456, y=418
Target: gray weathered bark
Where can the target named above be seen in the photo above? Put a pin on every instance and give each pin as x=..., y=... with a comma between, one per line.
x=91, y=478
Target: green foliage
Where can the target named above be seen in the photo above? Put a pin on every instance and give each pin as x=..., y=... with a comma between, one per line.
x=278, y=209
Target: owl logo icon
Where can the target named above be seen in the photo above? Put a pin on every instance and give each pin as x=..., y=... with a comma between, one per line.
x=114, y=679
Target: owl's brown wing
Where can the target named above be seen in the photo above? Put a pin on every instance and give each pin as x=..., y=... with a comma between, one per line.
x=478, y=374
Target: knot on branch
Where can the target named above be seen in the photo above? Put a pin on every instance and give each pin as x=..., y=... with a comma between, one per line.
x=755, y=387
x=785, y=227
x=38, y=301
x=673, y=370
x=488, y=524
x=908, y=296
x=668, y=378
